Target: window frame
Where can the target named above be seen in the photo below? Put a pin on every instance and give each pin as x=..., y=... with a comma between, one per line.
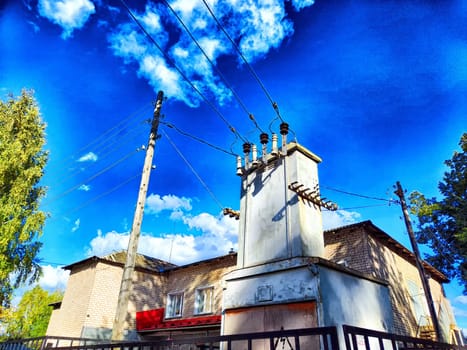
x=200, y=291
x=169, y=310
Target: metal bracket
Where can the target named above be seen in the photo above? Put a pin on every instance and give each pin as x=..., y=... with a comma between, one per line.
x=312, y=195
x=231, y=213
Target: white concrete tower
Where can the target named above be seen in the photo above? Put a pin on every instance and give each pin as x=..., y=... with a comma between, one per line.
x=278, y=219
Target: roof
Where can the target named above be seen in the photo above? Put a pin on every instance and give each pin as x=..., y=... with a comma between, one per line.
x=118, y=258
x=156, y=265
x=207, y=261
x=392, y=244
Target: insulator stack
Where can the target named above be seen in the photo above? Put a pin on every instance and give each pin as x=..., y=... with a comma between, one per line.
x=246, y=151
x=254, y=155
x=274, y=150
x=264, y=139
x=253, y=160
x=239, y=166
x=284, y=130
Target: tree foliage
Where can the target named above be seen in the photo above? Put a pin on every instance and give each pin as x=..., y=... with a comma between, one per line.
x=22, y=161
x=31, y=318
x=442, y=224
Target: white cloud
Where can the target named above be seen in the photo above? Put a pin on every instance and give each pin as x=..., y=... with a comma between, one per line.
x=263, y=27
x=108, y=243
x=333, y=219
x=88, y=157
x=301, y=4
x=219, y=235
x=459, y=312
x=76, y=225
x=53, y=278
x=68, y=14
x=155, y=203
x=461, y=299
x=223, y=226
x=35, y=27
x=84, y=188
x=256, y=25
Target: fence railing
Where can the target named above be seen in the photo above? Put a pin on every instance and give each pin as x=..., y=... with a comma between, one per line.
x=42, y=343
x=309, y=338
x=320, y=338
x=361, y=338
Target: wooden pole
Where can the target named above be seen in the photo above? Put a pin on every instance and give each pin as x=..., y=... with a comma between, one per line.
x=126, y=283
x=419, y=262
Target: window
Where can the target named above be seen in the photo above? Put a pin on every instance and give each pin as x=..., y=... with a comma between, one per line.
x=419, y=304
x=204, y=300
x=174, y=305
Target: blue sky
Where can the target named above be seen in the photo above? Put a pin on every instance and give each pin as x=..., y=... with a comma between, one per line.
x=376, y=88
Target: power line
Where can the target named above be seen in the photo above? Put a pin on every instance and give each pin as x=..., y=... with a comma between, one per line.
x=91, y=178
x=105, y=155
x=197, y=138
x=361, y=195
x=167, y=57
x=113, y=189
x=108, y=131
x=258, y=80
x=363, y=206
x=108, y=134
x=193, y=170
x=250, y=115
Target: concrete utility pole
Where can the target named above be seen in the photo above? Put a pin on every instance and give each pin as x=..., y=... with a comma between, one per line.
x=126, y=284
x=426, y=286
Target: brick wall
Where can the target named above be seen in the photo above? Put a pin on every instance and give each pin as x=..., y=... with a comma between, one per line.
x=69, y=319
x=348, y=247
x=92, y=292
x=90, y=300
x=190, y=278
x=366, y=253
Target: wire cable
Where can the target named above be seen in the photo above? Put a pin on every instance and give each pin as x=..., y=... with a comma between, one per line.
x=361, y=195
x=113, y=189
x=169, y=59
x=104, y=137
x=193, y=170
x=103, y=156
x=224, y=80
x=91, y=178
x=258, y=80
x=113, y=128
x=360, y=207
x=169, y=125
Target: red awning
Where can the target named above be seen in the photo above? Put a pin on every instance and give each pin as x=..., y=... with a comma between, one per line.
x=154, y=320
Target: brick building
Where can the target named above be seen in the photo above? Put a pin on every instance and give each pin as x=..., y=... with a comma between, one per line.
x=287, y=272
x=171, y=300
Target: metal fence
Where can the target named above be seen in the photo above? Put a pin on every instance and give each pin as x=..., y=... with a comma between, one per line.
x=361, y=338
x=320, y=338
x=42, y=343
x=324, y=338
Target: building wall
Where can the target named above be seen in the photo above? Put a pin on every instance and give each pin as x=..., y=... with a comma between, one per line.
x=350, y=248
x=363, y=252
x=69, y=319
x=149, y=291
x=89, y=303
x=352, y=300
x=188, y=279
x=275, y=224
x=90, y=300
x=103, y=300
x=397, y=271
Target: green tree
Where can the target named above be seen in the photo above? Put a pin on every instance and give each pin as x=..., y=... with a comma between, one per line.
x=22, y=161
x=442, y=224
x=31, y=317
